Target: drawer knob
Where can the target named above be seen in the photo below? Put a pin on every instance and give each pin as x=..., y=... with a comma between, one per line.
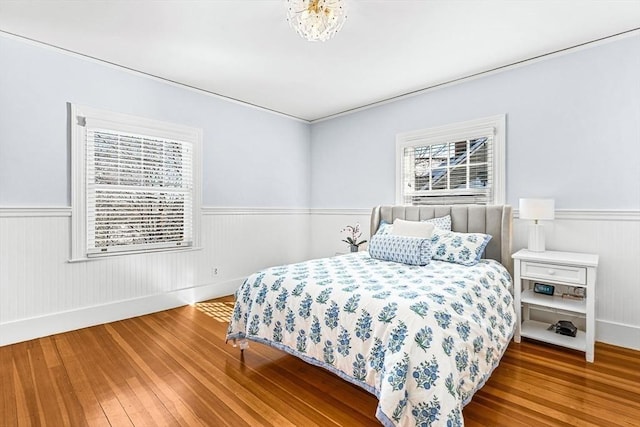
x=551, y=272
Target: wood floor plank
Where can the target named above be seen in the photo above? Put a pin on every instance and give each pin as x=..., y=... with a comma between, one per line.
x=154, y=373
x=94, y=358
x=560, y=386
x=26, y=393
x=191, y=379
x=494, y=410
x=77, y=373
x=233, y=360
x=49, y=401
x=8, y=407
x=557, y=389
x=71, y=411
x=274, y=364
x=275, y=367
x=216, y=378
x=174, y=368
x=115, y=370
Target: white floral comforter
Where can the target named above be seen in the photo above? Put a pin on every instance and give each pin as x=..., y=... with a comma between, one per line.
x=422, y=339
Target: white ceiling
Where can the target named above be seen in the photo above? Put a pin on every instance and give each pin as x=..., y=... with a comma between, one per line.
x=245, y=50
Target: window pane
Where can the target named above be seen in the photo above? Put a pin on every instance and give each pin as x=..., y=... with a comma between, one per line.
x=439, y=179
x=421, y=173
x=459, y=177
x=478, y=176
x=479, y=150
x=459, y=154
x=440, y=154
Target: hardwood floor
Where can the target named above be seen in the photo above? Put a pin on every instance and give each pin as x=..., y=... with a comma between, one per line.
x=174, y=368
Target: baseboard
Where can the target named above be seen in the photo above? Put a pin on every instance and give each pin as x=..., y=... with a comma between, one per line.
x=619, y=334
x=42, y=326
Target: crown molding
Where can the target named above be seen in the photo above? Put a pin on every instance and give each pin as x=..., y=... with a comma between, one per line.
x=173, y=83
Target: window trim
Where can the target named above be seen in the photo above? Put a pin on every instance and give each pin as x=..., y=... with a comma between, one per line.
x=460, y=130
x=125, y=122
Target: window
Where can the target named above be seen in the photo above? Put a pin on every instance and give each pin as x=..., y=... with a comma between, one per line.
x=136, y=184
x=453, y=164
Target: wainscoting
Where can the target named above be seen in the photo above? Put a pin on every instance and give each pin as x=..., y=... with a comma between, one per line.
x=41, y=293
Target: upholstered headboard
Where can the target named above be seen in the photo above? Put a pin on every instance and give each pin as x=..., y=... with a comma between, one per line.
x=494, y=220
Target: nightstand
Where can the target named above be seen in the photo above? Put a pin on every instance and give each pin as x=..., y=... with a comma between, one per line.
x=568, y=272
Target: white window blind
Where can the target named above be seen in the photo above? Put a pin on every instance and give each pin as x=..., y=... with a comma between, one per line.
x=135, y=184
x=138, y=192
x=456, y=164
x=449, y=172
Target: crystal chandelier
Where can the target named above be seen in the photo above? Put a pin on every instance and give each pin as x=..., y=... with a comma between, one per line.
x=316, y=19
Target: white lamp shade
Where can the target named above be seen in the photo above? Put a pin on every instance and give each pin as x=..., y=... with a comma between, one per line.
x=537, y=209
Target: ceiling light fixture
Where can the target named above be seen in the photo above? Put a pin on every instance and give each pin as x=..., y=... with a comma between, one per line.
x=316, y=19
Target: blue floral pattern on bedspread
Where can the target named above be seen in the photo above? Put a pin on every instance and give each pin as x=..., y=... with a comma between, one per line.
x=422, y=339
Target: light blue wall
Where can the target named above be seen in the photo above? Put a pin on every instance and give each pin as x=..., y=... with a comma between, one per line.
x=252, y=158
x=573, y=132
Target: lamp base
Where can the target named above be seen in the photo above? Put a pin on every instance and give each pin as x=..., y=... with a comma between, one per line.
x=536, y=238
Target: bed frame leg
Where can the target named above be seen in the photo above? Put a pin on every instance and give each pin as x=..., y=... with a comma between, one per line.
x=243, y=343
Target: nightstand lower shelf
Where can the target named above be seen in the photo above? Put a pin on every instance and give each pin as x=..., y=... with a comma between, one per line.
x=538, y=331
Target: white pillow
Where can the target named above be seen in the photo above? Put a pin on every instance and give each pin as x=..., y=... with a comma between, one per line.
x=412, y=228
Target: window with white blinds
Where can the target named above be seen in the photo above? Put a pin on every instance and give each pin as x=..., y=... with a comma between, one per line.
x=462, y=163
x=138, y=184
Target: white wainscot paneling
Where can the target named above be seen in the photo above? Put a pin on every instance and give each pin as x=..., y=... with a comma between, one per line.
x=326, y=226
x=41, y=293
x=239, y=242
x=614, y=235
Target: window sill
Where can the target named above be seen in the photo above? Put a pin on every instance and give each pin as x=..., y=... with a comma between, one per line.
x=118, y=254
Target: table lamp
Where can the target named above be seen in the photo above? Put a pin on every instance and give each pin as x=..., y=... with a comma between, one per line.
x=536, y=209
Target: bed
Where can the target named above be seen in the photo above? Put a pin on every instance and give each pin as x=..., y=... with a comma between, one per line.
x=421, y=338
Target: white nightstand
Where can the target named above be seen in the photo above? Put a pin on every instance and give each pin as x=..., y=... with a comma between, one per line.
x=566, y=271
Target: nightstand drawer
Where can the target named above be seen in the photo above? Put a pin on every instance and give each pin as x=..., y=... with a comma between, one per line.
x=554, y=273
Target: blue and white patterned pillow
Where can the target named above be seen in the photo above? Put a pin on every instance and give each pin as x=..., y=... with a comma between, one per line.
x=404, y=249
x=384, y=228
x=461, y=248
x=442, y=222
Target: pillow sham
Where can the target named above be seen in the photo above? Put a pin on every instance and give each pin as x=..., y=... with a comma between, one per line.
x=412, y=228
x=460, y=248
x=442, y=222
x=404, y=249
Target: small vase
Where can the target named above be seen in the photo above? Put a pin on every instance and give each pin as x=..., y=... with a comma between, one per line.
x=354, y=248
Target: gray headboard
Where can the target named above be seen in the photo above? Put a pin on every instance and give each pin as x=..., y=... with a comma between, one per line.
x=494, y=220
